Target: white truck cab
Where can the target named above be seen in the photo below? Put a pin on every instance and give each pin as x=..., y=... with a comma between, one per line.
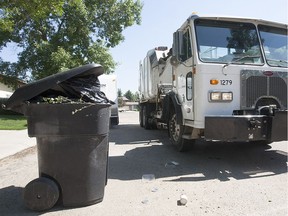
x=228, y=82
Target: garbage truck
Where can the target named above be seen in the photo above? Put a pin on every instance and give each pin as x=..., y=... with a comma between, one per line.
x=224, y=79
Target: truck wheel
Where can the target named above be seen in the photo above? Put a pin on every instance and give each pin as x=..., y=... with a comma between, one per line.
x=175, y=131
x=145, y=118
x=114, y=120
x=141, y=116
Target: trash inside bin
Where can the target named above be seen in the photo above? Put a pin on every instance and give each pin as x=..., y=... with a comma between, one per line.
x=69, y=117
x=76, y=85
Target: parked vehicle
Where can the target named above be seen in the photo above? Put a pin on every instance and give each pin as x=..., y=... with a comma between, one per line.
x=225, y=79
x=108, y=85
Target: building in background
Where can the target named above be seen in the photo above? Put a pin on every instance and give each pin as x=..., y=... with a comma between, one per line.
x=5, y=90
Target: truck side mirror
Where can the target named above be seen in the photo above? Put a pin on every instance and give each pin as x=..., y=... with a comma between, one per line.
x=177, y=48
x=174, y=61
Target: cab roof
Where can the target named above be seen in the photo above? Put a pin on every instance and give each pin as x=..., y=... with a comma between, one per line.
x=256, y=21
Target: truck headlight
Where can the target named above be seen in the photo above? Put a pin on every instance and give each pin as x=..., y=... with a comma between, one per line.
x=227, y=96
x=220, y=96
x=215, y=96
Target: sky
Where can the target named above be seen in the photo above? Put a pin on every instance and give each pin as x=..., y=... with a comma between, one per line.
x=160, y=18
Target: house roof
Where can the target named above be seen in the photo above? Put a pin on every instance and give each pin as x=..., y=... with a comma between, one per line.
x=20, y=82
x=131, y=103
x=124, y=98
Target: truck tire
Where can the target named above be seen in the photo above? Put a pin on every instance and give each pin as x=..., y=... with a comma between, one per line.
x=176, y=131
x=145, y=118
x=114, y=120
x=141, y=116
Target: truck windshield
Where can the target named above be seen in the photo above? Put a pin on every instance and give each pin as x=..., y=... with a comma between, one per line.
x=228, y=42
x=274, y=41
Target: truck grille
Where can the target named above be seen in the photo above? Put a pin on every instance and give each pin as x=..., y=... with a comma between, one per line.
x=263, y=87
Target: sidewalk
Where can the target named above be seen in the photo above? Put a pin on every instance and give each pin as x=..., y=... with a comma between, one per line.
x=13, y=141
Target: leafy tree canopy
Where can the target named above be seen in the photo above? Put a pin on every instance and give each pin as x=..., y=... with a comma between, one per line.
x=119, y=93
x=56, y=35
x=132, y=97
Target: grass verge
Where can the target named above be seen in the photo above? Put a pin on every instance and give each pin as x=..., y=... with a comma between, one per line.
x=13, y=122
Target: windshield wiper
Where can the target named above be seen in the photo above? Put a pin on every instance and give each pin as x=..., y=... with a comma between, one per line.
x=237, y=60
x=277, y=61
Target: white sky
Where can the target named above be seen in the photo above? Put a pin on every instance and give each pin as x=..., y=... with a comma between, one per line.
x=160, y=18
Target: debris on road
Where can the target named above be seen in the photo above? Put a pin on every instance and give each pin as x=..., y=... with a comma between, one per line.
x=171, y=164
x=148, y=177
x=183, y=200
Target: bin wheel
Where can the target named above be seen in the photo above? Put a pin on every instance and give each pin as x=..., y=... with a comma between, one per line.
x=41, y=194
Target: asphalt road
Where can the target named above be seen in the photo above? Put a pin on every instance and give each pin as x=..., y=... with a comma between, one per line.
x=217, y=178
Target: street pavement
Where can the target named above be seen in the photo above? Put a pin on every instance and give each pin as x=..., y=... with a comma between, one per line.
x=13, y=141
x=147, y=177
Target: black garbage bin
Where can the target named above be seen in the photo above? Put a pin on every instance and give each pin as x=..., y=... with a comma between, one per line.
x=72, y=139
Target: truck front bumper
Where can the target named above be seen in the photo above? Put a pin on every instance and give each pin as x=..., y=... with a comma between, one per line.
x=243, y=128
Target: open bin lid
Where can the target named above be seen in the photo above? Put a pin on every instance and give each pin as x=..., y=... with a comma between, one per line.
x=19, y=98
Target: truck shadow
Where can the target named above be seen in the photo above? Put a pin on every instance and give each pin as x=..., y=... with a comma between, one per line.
x=121, y=134
x=152, y=153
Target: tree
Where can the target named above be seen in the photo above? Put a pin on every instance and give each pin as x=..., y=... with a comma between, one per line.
x=242, y=39
x=119, y=92
x=136, y=96
x=56, y=35
x=129, y=95
x=120, y=99
x=132, y=97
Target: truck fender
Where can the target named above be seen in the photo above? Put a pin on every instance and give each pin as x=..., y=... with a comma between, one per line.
x=171, y=103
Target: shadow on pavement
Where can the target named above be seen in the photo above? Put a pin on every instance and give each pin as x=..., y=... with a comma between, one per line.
x=206, y=161
x=150, y=152
x=11, y=202
x=121, y=134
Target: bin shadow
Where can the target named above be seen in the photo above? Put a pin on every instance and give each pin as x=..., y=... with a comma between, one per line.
x=153, y=154
x=11, y=202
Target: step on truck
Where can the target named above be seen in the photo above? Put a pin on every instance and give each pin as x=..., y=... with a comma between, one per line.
x=224, y=79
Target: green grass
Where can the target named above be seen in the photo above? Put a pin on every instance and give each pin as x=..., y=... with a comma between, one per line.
x=13, y=122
